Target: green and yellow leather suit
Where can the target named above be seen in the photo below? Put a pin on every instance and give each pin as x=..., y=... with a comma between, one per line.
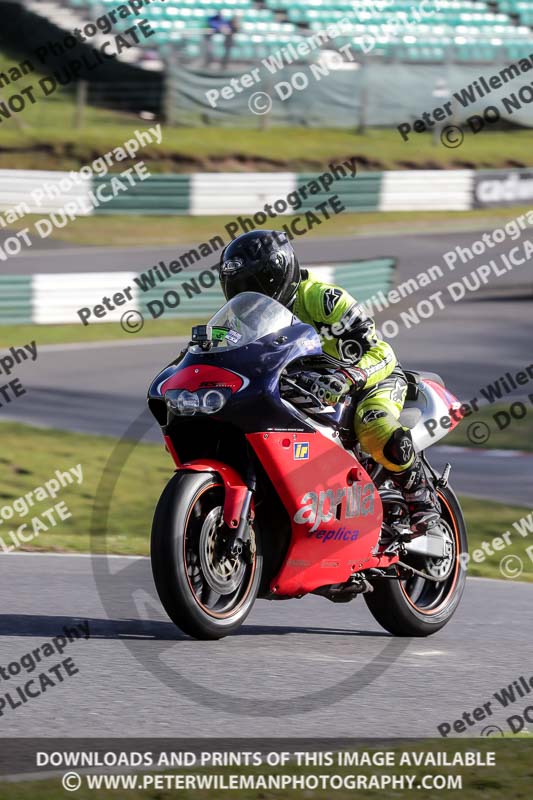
x=349, y=336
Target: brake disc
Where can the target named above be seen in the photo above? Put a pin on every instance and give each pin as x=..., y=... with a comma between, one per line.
x=222, y=572
x=442, y=567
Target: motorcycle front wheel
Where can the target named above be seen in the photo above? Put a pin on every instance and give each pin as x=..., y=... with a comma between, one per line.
x=206, y=591
x=419, y=607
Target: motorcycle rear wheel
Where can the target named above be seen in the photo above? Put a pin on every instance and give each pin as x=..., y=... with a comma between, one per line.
x=205, y=592
x=417, y=607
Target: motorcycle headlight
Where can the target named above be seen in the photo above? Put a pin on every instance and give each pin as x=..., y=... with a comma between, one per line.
x=203, y=401
x=212, y=401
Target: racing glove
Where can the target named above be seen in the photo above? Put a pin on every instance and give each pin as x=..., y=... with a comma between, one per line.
x=332, y=387
x=357, y=377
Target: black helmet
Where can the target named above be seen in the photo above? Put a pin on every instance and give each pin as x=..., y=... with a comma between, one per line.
x=260, y=261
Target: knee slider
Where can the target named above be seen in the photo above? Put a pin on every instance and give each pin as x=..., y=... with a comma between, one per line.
x=399, y=449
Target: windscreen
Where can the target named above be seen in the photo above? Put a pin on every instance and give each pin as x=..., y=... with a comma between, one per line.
x=244, y=319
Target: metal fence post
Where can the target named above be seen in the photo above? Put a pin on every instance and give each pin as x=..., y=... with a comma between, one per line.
x=81, y=103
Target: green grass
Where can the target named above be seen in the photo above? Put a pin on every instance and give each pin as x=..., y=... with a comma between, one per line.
x=49, y=140
x=130, y=231
x=510, y=777
x=100, y=332
x=56, y=144
x=486, y=520
x=518, y=435
x=31, y=455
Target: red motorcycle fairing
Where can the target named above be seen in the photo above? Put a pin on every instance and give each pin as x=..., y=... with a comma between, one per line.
x=334, y=506
x=198, y=377
x=450, y=401
x=234, y=487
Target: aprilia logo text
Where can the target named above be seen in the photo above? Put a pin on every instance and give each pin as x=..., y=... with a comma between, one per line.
x=356, y=501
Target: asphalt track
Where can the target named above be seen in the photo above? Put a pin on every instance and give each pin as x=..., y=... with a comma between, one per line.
x=139, y=676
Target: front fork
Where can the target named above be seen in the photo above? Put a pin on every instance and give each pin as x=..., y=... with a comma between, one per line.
x=243, y=537
x=238, y=512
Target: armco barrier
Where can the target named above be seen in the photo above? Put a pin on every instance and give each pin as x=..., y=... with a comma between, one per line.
x=238, y=192
x=55, y=298
x=245, y=193
x=447, y=190
x=39, y=191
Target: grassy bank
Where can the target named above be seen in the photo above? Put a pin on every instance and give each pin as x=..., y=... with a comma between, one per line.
x=49, y=141
x=100, y=332
x=31, y=455
x=516, y=435
x=44, y=136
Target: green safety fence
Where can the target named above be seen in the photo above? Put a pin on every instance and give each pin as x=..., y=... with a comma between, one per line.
x=361, y=193
x=174, y=194
x=158, y=194
x=364, y=279
x=16, y=307
x=193, y=295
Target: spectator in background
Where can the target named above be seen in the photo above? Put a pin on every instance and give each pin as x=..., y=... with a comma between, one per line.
x=228, y=43
x=216, y=24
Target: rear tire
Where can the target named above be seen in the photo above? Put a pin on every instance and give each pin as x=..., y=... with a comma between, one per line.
x=189, y=564
x=408, y=608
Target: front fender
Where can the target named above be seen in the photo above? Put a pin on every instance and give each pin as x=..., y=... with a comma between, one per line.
x=235, y=487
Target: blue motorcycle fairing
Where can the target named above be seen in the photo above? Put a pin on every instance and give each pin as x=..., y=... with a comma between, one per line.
x=257, y=405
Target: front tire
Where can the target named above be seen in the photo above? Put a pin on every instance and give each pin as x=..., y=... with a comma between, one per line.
x=205, y=593
x=416, y=607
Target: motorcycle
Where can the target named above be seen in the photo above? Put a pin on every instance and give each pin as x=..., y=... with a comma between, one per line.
x=272, y=495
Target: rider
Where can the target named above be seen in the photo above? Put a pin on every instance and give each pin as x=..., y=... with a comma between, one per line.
x=265, y=262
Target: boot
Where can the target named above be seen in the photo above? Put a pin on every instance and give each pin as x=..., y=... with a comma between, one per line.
x=420, y=496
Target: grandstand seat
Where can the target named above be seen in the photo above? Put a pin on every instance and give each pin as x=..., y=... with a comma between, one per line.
x=464, y=30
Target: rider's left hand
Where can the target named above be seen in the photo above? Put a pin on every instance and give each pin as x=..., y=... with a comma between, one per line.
x=329, y=388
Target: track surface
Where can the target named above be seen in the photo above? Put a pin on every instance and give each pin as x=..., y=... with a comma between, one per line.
x=283, y=651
